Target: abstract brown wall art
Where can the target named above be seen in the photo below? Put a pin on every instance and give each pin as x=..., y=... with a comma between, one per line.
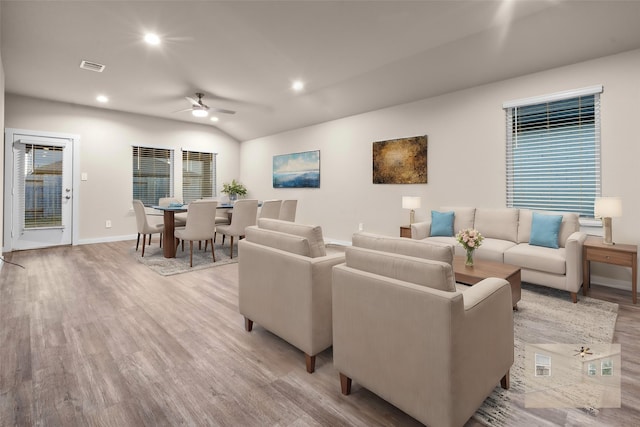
x=400, y=161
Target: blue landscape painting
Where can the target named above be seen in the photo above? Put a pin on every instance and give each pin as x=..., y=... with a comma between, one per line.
x=297, y=170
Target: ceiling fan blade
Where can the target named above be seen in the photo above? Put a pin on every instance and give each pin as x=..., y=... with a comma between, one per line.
x=191, y=100
x=182, y=111
x=222, y=110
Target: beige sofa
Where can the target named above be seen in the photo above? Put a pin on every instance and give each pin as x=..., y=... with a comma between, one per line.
x=285, y=284
x=401, y=330
x=507, y=233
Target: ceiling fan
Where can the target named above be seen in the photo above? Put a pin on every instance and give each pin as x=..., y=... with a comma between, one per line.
x=200, y=109
x=583, y=351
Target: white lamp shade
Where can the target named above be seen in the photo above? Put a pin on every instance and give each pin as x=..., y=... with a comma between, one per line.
x=607, y=207
x=411, y=202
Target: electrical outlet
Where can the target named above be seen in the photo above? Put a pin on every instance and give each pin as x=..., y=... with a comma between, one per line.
x=107, y=223
x=361, y=226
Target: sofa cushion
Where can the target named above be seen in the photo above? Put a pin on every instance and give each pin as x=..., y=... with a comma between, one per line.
x=415, y=248
x=442, y=223
x=282, y=241
x=497, y=223
x=537, y=258
x=313, y=233
x=463, y=217
x=570, y=224
x=433, y=274
x=493, y=249
x=545, y=230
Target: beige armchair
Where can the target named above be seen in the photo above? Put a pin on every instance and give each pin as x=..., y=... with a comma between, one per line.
x=401, y=330
x=285, y=284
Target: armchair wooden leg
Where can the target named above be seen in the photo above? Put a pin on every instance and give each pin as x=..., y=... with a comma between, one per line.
x=574, y=297
x=504, y=382
x=248, y=324
x=311, y=363
x=345, y=384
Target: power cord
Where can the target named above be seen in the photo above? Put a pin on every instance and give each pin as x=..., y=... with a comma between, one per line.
x=12, y=263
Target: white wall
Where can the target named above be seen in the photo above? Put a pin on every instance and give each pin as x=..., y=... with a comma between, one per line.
x=105, y=155
x=466, y=166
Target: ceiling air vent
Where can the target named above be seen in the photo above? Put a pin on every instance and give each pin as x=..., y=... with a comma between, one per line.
x=92, y=66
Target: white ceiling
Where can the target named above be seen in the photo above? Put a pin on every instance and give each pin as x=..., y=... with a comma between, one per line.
x=355, y=56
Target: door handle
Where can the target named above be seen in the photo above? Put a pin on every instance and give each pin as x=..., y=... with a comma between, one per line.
x=67, y=197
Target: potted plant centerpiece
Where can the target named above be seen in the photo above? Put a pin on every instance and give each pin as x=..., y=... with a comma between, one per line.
x=234, y=189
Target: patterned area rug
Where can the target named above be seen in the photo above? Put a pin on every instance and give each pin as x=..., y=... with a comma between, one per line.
x=155, y=260
x=546, y=315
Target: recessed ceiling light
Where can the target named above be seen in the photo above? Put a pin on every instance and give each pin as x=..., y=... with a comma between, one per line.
x=214, y=119
x=101, y=98
x=200, y=113
x=152, y=39
x=297, y=85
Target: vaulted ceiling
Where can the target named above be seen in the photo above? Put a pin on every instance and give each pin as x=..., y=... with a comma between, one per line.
x=353, y=56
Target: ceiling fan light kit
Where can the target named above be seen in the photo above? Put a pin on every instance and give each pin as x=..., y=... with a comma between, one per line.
x=200, y=109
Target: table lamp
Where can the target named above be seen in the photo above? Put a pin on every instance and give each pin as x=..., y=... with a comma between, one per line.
x=606, y=208
x=411, y=202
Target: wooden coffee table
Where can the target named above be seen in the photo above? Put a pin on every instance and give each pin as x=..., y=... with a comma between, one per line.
x=483, y=269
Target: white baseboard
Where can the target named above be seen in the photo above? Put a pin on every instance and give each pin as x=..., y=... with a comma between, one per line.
x=105, y=239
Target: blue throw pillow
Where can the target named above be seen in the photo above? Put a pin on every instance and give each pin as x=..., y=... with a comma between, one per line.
x=545, y=230
x=442, y=223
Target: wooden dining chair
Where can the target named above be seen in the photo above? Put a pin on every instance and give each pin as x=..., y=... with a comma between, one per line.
x=288, y=210
x=270, y=209
x=144, y=226
x=201, y=225
x=244, y=215
x=179, y=218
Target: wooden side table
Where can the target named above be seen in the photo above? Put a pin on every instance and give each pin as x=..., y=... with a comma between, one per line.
x=405, y=231
x=623, y=255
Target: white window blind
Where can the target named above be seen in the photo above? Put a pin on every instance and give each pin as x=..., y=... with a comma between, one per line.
x=198, y=175
x=553, y=154
x=40, y=185
x=152, y=174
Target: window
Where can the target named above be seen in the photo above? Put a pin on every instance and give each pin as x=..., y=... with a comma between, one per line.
x=198, y=175
x=41, y=195
x=543, y=365
x=553, y=152
x=591, y=369
x=606, y=368
x=152, y=174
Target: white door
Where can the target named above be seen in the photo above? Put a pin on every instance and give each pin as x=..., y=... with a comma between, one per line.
x=39, y=181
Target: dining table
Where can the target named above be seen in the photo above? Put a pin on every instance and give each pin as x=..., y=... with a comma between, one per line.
x=169, y=218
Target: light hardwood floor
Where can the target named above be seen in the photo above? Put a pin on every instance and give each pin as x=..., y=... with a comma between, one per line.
x=89, y=336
